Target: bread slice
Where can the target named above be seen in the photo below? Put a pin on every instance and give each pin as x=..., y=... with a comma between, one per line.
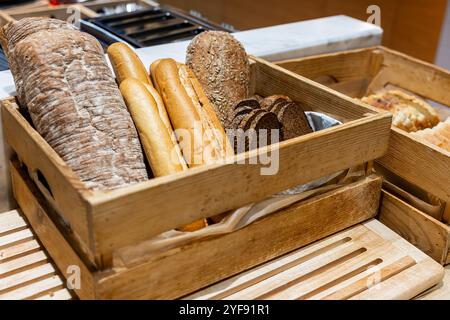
x=410, y=113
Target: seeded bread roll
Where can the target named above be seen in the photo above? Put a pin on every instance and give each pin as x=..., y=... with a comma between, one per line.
x=221, y=65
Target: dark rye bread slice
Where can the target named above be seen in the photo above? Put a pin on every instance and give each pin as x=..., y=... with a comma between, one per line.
x=73, y=100
x=252, y=103
x=278, y=106
x=293, y=120
x=271, y=101
x=264, y=123
x=244, y=107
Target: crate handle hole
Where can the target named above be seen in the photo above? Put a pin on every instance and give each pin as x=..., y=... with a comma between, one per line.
x=43, y=182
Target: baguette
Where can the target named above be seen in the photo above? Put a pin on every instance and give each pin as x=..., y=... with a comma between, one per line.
x=153, y=133
x=165, y=119
x=126, y=63
x=195, y=144
x=208, y=112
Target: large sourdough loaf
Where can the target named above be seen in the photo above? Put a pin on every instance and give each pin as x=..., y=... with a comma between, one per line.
x=63, y=80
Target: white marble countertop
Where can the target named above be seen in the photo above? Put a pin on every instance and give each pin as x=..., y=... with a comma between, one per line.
x=273, y=43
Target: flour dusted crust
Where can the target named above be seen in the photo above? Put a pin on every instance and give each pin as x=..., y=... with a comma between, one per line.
x=63, y=80
x=409, y=113
x=221, y=65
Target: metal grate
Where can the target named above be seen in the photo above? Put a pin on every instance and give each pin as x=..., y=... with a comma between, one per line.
x=153, y=26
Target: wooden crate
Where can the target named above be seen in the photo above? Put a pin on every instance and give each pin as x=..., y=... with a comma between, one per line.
x=95, y=220
x=181, y=271
x=367, y=261
x=425, y=232
x=360, y=72
x=357, y=73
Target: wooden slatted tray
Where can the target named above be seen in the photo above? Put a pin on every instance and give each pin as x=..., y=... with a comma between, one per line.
x=367, y=261
x=95, y=220
x=420, y=164
x=26, y=272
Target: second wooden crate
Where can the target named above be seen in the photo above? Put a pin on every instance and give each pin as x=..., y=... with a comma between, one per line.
x=422, y=165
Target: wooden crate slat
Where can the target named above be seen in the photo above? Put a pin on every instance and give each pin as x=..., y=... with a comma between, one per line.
x=22, y=262
x=41, y=287
x=10, y=221
x=62, y=294
x=25, y=269
x=28, y=275
x=15, y=250
x=15, y=237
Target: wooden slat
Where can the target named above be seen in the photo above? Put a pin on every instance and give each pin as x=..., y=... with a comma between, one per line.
x=10, y=221
x=341, y=67
x=18, y=249
x=22, y=262
x=415, y=279
x=407, y=157
x=34, y=289
x=15, y=237
x=62, y=294
x=20, y=278
x=25, y=270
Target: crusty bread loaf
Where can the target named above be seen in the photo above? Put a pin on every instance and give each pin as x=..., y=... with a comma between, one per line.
x=221, y=65
x=183, y=114
x=65, y=83
x=126, y=63
x=153, y=134
x=409, y=113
